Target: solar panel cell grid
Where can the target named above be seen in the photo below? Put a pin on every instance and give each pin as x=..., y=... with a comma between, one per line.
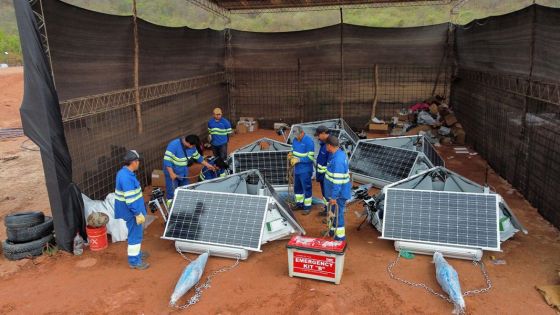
x=217, y=218
x=445, y=218
x=271, y=164
x=385, y=163
x=431, y=153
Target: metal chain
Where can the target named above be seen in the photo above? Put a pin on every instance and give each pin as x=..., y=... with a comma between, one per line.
x=444, y=297
x=199, y=288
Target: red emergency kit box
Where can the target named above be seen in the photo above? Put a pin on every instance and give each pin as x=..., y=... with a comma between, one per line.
x=316, y=258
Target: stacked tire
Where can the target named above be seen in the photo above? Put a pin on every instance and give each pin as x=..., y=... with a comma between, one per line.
x=28, y=235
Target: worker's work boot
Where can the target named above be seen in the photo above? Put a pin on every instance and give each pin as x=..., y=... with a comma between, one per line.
x=141, y=266
x=306, y=211
x=144, y=255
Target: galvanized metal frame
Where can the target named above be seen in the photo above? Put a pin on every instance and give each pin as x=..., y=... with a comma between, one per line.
x=95, y=104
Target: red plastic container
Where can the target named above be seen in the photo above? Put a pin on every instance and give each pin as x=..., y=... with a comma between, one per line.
x=97, y=238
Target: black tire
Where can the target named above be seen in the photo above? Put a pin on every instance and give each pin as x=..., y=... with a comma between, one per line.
x=24, y=219
x=27, y=234
x=26, y=250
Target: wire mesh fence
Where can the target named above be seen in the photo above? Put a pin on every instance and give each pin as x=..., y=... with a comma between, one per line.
x=307, y=95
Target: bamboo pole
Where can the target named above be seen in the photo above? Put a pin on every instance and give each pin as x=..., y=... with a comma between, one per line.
x=138, y=106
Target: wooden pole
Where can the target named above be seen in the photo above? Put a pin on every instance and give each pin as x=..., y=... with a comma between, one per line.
x=375, y=87
x=136, y=66
x=341, y=65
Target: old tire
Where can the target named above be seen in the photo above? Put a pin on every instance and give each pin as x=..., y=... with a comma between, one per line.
x=24, y=219
x=31, y=249
x=27, y=234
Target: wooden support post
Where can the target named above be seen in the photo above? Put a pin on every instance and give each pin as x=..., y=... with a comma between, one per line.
x=136, y=66
x=375, y=88
x=300, y=92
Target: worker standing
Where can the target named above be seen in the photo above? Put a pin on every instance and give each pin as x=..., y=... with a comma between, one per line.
x=337, y=187
x=219, y=129
x=176, y=160
x=322, y=133
x=129, y=206
x=302, y=159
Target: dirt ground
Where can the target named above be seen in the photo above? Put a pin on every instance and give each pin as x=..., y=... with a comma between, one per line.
x=102, y=283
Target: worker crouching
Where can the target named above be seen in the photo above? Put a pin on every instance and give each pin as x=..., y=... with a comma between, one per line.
x=337, y=188
x=129, y=206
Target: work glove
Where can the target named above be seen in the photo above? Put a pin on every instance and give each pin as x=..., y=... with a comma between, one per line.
x=140, y=219
x=294, y=161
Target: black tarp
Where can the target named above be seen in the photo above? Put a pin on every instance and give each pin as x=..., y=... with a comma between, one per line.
x=42, y=123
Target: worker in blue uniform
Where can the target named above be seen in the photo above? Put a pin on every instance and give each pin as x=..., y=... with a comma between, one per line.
x=337, y=187
x=302, y=159
x=322, y=133
x=129, y=206
x=219, y=130
x=176, y=160
x=220, y=169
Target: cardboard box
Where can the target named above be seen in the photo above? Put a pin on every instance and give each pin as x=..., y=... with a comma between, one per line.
x=414, y=131
x=450, y=120
x=158, y=179
x=241, y=128
x=459, y=134
x=246, y=118
x=253, y=126
x=379, y=128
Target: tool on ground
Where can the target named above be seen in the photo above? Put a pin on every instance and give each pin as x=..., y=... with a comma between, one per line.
x=332, y=214
x=316, y=258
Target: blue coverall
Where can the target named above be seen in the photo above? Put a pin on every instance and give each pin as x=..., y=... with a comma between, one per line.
x=337, y=187
x=177, y=157
x=304, y=150
x=219, y=130
x=206, y=174
x=322, y=160
x=129, y=202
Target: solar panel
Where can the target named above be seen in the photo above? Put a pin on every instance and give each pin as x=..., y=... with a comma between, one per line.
x=381, y=162
x=282, y=202
x=226, y=219
x=431, y=153
x=446, y=218
x=271, y=164
x=350, y=132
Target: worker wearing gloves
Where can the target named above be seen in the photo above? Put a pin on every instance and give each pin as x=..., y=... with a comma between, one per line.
x=337, y=187
x=322, y=133
x=302, y=159
x=129, y=206
x=220, y=169
x=219, y=130
x=176, y=160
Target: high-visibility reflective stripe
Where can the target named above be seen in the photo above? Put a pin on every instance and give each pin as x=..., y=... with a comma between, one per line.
x=128, y=193
x=321, y=166
x=299, y=198
x=174, y=157
x=340, y=232
x=307, y=201
x=201, y=176
x=130, y=200
x=337, y=181
x=321, y=169
x=195, y=155
x=167, y=158
x=223, y=175
x=134, y=250
x=325, y=200
x=338, y=175
x=298, y=154
x=119, y=198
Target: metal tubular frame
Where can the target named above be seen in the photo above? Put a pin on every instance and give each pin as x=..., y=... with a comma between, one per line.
x=539, y=90
x=42, y=26
x=95, y=104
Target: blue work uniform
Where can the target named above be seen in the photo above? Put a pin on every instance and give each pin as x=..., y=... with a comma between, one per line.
x=338, y=186
x=304, y=150
x=129, y=202
x=177, y=157
x=220, y=131
x=206, y=173
x=322, y=160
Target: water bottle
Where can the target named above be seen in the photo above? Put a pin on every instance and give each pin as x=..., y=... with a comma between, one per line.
x=78, y=245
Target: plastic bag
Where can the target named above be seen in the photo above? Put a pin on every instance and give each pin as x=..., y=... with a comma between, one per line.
x=448, y=279
x=190, y=276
